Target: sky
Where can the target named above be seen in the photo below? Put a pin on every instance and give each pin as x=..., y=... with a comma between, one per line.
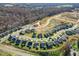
x=39, y=1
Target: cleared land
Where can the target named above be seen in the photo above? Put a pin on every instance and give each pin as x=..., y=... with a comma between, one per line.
x=43, y=26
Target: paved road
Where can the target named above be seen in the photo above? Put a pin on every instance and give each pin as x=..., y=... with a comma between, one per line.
x=3, y=39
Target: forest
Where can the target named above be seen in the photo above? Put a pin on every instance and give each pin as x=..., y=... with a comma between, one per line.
x=11, y=17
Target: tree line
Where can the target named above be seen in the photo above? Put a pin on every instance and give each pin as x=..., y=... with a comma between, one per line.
x=11, y=17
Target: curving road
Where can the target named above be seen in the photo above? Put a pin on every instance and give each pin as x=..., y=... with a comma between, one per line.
x=22, y=52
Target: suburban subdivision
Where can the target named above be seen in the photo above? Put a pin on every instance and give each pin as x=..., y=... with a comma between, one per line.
x=39, y=29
